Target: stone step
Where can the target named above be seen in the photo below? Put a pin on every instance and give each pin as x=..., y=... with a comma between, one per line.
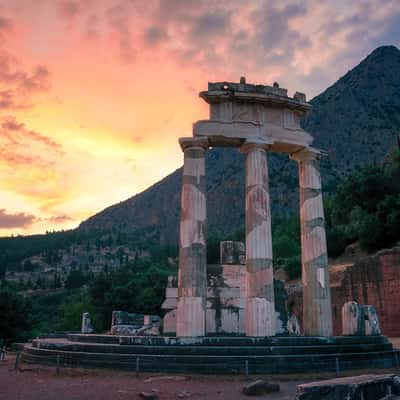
x=227, y=340
x=93, y=338
x=209, y=350
x=212, y=363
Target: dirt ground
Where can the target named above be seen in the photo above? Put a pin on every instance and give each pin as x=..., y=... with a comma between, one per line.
x=33, y=382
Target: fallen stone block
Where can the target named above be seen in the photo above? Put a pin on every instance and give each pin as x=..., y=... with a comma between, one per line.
x=260, y=387
x=183, y=394
x=396, y=385
x=125, y=330
x=366, y=387
x=148, y=395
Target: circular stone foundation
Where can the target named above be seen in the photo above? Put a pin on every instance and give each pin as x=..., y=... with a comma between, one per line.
x=241, y=355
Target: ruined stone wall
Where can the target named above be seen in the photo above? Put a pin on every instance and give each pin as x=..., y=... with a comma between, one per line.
x=226, y=301
x=373, y=280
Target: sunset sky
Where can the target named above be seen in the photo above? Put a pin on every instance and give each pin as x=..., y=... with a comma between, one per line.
x=95, y=93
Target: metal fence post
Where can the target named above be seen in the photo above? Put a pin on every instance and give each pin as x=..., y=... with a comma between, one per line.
x=58, y=365
x=16, y=365
x=246, y=367
x=137, y=366
x=337, y=366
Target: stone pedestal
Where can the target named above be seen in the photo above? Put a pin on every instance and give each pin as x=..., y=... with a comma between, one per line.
x=317, y=310
x=192, y=278
x=260, y=305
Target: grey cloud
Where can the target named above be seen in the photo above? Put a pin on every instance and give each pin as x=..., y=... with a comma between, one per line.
x=211, y=24
x=69, y=8
x=274, y=34
x=11, y=124
x=38, y=81
x=9, y=74
x=6, y=24
x=18, y=86
x=59, y=219
x=119, y=20
x=154, y=35
x=7, y=100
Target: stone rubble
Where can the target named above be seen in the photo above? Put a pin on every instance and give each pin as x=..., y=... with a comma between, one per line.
x=260, y=387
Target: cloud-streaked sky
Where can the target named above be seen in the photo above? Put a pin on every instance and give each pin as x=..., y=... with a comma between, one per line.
x=95, y=93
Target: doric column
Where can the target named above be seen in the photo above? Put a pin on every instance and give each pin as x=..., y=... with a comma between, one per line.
x=192, y=279
x=260, y=304
x=317, y=310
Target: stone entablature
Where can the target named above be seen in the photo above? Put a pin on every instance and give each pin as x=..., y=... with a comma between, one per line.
x=242, y=111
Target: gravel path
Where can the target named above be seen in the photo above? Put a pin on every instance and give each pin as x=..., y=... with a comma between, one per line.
x=34, y=382
x=41, y=383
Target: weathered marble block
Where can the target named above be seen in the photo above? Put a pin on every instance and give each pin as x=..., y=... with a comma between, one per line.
x=153, y=320
x=359, y=320
x=125, y=318
x=124, y=330
x=293, y=326
x=124, y=323
x=171, y=292
x=226, y=302
x=351, y=319
x=223, y=292
x=366, y=387
x=170, y=303
x=86, y=323
x=232, y=253
x=234, y=275
x=169, y=323
x=371, y=321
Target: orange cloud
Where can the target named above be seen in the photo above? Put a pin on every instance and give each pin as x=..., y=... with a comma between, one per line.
x=100, y=89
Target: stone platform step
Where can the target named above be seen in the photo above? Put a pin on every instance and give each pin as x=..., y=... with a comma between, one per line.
x=287, y=355
x=332, y=348
x=227, y=340
x=211, y=364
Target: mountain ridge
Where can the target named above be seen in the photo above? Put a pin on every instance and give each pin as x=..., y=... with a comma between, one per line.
x=356, y=120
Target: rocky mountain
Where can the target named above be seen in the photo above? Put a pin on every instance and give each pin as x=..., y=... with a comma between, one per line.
x=356, y=120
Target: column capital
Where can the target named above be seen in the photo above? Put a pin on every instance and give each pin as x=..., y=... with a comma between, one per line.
x=190, y=142
x=251, y=144
x=307, y=154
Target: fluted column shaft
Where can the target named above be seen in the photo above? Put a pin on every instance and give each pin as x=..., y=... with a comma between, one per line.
x=260, y=304
x=192, y=278
x=317, y=309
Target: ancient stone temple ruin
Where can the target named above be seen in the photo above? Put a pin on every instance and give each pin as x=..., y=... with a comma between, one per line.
x=256, y=119
x=232, y=317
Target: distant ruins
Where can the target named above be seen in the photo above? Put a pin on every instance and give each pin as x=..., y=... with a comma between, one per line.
x=256, y=119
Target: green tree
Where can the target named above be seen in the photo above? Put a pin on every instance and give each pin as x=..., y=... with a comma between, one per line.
x=15, y=311
x=69, y=313
x=76, y=279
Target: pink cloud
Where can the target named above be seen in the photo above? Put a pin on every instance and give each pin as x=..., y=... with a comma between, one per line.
x=17, y=220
